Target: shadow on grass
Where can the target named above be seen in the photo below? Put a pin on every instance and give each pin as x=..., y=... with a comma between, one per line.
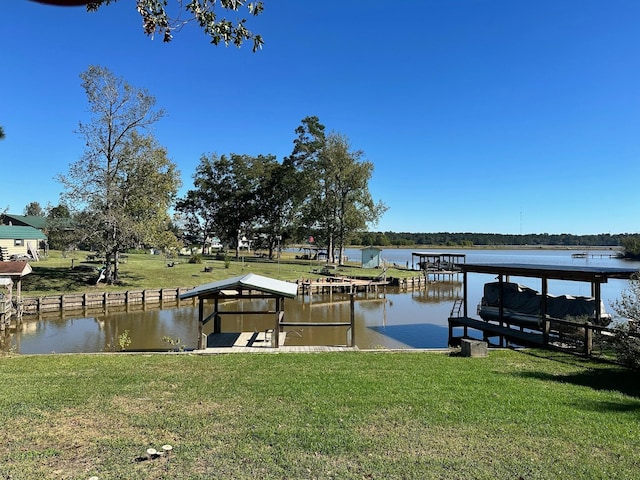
x=65, y=279
x=129, y=278
x=594, y=374
x=59, y=278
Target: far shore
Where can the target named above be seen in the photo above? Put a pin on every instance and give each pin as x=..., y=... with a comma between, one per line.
x=488, y=247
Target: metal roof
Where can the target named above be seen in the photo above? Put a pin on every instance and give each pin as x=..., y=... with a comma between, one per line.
x=558, y=272
x=250, y=281
x=14, y=269
x=34, y=221
x=12, y=232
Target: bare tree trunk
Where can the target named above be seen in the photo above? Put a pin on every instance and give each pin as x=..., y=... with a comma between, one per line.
x=116, y=266
x=330, y=254
x=108, y=273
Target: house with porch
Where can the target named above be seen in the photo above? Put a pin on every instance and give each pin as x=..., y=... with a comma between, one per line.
x=20, y=242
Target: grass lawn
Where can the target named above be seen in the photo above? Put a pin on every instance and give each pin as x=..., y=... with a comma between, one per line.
x=55, y=275
x=512, y=415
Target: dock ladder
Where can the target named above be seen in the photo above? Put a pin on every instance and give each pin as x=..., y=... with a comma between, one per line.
x=457, y=307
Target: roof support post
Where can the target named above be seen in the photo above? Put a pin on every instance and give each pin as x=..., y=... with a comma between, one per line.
x=464, y=293
x=595, y=287
x=353, y=319
x=200, y=323
x=546, y=326
x=501, y=308
x=275, y=336
x=217, y=320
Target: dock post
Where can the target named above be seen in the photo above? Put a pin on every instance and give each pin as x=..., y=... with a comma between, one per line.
x=202, y=343
x=353, y=319
x=275, y=335
x=546, y=327
x=588, y=339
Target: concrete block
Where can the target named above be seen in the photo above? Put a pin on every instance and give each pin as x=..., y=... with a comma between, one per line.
x=473, y=348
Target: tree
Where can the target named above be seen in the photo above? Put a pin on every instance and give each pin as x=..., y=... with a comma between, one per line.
x=61, y=232
x=156, y=19
x=299, y=180
x=626, y=342
x=275, y=202
x=334, y=180
x=631, y=246
x=347, y=181
x=1, y=132
x=33, y=209
x=199, y=206
x=224, y=199
x=124, y=183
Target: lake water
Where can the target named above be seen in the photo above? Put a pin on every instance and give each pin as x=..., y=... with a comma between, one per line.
x=393, y=319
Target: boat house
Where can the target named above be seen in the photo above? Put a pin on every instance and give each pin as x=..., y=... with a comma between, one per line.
x=544, y=330
x=436, y=265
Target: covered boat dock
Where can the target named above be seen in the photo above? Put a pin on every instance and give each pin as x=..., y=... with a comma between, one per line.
x=249, y=287
x=245, y=287
x=436, y=265
x=541, y=334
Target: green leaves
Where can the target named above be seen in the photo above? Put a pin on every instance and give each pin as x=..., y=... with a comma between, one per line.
x=156, y=19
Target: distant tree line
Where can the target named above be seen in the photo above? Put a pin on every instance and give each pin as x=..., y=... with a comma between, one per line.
x=631, y=242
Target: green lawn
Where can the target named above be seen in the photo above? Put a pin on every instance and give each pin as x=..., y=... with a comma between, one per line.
x=55, y=275
x=512, y=415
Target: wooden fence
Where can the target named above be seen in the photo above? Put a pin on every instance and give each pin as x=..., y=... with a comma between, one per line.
x=79, y=301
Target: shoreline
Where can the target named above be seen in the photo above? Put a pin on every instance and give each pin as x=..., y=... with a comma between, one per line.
x=492, y=247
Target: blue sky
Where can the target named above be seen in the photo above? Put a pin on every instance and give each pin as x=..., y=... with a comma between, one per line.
x=496, y=116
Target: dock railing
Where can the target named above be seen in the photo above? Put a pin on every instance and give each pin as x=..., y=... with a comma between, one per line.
x=553, y=333
x=351, y=331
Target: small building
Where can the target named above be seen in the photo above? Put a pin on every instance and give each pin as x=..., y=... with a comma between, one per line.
x=20, y=242
x=371, y=257
x=11, y=274
x=14, y=271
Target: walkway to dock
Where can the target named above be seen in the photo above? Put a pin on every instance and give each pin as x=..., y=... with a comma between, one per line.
x=260, y=342
x=521, y=337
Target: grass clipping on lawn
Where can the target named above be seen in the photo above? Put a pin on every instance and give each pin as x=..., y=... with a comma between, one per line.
x=512, y=415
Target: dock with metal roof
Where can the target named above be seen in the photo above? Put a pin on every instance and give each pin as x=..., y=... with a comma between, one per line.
x=248, y=287
x=437, y=266
x=547, y=332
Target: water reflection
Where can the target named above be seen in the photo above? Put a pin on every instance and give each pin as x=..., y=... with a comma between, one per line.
x=393, y=319
x=390, y=319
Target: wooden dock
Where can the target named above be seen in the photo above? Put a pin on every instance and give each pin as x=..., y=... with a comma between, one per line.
x=595, y=255
x=332, y=285
x=526, y=338
x=260, y=342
